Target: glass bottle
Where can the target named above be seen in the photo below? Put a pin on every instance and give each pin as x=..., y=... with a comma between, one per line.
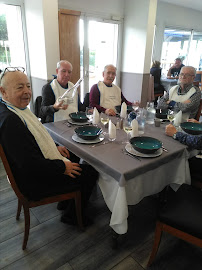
x=150, y=113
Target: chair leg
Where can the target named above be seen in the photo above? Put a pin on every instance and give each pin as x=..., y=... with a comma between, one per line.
x=78, y=210
x=27, y=225
x=19, y=209
x=157, y=239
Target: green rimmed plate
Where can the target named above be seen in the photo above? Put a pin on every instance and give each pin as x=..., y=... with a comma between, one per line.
x=145, y=145
x=192, y=128
x=88, y=132
x=78, y=117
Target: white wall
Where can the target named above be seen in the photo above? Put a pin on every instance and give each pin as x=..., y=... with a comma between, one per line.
x=107, y=8
x=177, y=17
x=43, y=37
x=51, y=30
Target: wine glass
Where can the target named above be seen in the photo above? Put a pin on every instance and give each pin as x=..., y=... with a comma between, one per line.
x=89, y=113
x=171, y=116
x=104, y=119
x=127, y=128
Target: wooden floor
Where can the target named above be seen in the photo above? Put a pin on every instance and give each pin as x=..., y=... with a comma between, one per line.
x=54, y=245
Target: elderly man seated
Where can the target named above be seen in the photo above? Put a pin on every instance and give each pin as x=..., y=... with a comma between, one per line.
x=39, y=167
x=184, y=97
x=105, y=95
x=193, y=142
x=53, y=110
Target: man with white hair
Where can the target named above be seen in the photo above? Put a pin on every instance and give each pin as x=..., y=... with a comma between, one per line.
x=40, y=168
x=53, y=110
x=184, y=97
x=105, y=95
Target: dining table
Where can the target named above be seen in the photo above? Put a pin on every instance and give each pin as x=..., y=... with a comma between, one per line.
x=123, y=179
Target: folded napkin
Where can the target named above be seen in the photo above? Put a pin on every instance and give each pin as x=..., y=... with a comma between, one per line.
x=112, y=130
x=123, y=112
x=96, y=116
x=178, y=119
x=134, y=131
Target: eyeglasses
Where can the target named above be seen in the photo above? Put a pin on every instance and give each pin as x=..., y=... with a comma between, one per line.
x=12, y=69
x=185, y=75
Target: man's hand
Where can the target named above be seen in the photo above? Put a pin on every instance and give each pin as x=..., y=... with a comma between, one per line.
x=187, y=101
x=63, y=151
x=170, y=130
x=110, y=112
x=59, y=105
x=193, y=120
x=72, y=169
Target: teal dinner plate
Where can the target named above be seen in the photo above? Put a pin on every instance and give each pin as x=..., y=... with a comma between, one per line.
x=88, y=132
x=129, y=108
x=162, y=114
x=78, y=117
x=191, y=128
x=146, y=145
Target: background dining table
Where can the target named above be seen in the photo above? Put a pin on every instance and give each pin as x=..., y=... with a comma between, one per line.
x=125, y=180
x=168, y=83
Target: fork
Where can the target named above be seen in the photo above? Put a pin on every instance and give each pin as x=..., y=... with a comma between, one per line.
x=95, y=145
x=130, y=155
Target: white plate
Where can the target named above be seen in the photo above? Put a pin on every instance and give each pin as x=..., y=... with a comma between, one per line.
x=79, y=140
x=132, y=151
x=78, y=123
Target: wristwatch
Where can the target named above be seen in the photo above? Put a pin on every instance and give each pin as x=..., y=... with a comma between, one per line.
x=174, y=136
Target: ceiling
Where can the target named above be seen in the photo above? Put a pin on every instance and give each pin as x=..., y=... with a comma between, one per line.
x=194, y=4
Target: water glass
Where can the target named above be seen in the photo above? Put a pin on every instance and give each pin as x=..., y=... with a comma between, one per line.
x=127, y=128
x=89, y=113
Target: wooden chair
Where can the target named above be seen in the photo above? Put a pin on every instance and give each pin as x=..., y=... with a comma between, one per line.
x=197, y=117
x=27, y=204
x=180, y=216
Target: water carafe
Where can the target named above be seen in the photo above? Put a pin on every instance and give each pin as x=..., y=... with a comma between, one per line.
x=150, y=113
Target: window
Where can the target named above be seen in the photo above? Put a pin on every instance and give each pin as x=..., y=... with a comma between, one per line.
x=12, y=51
x=185, y=44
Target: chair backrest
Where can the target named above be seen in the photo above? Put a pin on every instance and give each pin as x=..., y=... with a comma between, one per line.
x=86, y=100
x=10, y=176
x=37, y=106
x=196, y=83
x=199, y=111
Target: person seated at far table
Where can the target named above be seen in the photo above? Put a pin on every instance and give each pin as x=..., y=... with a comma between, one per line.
x=105, y=95
x=40, y=168
x=53, y=110
x=155, y=71
x=193, y=142
x=174, y=71
x=183, y=97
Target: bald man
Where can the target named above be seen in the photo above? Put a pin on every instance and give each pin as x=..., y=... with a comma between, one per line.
x=51, y=109
x=105, y=95
x=39, y=167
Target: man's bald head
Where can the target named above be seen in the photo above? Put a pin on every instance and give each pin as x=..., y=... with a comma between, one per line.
x=15, y=88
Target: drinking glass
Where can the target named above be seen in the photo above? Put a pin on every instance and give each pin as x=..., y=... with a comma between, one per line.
x=104, y=119
x=127, y=128
x=89, y=113
x=171, y=116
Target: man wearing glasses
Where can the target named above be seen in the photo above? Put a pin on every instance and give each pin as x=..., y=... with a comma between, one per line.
x=183, y=97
